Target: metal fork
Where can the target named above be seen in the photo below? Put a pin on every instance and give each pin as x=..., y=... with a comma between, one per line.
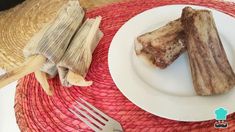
x=100, y=122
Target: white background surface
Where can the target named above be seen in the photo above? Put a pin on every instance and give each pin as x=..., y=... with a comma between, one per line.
x=7, y=113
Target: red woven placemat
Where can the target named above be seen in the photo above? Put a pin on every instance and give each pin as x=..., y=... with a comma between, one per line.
x=35, y=111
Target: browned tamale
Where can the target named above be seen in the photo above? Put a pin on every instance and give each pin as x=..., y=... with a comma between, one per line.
x=162, y=46
x=211, y=71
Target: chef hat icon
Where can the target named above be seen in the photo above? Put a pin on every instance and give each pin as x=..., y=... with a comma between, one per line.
x=221, y=113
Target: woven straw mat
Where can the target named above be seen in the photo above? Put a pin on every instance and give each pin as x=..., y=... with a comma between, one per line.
x=37, y=112
x=19, y=24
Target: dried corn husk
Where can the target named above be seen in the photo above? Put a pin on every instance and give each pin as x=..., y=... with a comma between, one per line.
x=78, y=56
x=53, y=40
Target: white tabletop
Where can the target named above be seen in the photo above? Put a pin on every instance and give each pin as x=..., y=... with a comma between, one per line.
x=7, y=113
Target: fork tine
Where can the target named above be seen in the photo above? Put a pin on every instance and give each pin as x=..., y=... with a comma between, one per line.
x=95, y=109
x=89, y=117
x=85, y=121
x=92, y=113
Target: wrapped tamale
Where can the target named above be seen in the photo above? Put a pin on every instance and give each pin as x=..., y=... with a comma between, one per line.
x=53, y=39
x=163, y=45
x=210, y=68
x=78, y=56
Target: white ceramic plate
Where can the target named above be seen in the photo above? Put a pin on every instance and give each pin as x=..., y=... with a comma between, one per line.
x=167, y=93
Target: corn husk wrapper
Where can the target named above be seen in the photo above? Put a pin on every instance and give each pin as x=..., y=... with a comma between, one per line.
x=78, y=56
x=53, y=39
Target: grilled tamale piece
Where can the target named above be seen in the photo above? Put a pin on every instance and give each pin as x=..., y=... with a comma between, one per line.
x=211, y=71
x=162, y=46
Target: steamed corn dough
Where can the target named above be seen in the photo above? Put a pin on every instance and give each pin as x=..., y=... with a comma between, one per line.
x=53, y=40
x=78, y=56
